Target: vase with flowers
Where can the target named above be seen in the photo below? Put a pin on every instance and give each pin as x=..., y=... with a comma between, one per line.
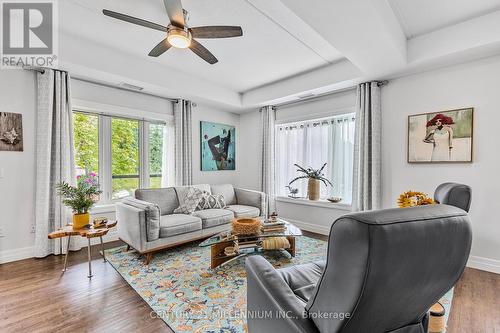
x=413, y=199
x=314, y=177
x=80, y=198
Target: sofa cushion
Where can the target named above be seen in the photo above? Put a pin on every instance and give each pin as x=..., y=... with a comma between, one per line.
x=214, y=217
x=303, y=279
x=190, y=202
x=165, y=198
x=227, y=190
x=182, y=191
x=176, y=224
x=152, y=212
x=244, y=211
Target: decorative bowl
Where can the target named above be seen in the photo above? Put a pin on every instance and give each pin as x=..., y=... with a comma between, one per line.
x=334, y=199
x=246, y=226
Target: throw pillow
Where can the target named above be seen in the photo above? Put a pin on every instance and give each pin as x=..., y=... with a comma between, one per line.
x=193, y=198
x=212, y=201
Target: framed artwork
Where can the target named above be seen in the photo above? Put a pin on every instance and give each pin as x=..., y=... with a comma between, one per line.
x=11, y=131
x=218, y=146
x=441, y=137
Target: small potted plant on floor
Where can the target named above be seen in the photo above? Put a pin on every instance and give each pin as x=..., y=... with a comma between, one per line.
x=80, y=198
x=314, y=178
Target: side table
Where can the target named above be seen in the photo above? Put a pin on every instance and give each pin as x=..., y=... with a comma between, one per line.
x=88, y=232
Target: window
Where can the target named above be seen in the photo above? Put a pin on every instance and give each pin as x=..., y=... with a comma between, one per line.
x=125, y=153
x=313, y=143
x=86, y=142
x=157, y=154
x=124, y=157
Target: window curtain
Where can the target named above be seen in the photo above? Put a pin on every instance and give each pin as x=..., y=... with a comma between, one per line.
x=367, y=148
x=54, y=158
x=183, y=142
x=168, y=158
x=311, y=144
x=268, y=121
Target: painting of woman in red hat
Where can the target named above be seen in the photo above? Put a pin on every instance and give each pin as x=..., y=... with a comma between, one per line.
x=440, y=137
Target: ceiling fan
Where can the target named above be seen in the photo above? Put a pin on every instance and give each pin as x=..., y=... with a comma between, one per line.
x=179, y=34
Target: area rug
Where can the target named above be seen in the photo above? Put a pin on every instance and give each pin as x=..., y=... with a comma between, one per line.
x=188, y=296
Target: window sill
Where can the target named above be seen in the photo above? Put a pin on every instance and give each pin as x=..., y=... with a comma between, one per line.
x=320, y=203
x=103, y=208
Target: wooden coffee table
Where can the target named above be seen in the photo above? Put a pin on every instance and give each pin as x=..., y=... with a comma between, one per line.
x=250, y=243
x=88, y=232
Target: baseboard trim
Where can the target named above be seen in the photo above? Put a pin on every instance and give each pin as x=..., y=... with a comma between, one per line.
x=484, y=264
x=16, y=254
x=318, y=229
x=29, y=252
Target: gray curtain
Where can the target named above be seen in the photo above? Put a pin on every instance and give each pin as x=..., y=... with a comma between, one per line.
x=54, y=157
x=183, y=143
x=268, y=116
x=367, y=148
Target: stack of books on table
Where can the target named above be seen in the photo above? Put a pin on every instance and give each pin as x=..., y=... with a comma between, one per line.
x=277, y=226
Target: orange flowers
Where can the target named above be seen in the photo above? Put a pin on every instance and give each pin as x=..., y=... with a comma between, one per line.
x=413, y=198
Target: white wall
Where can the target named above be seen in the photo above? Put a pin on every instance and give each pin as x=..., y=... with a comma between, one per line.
x=124, y=99
x=473, y=84
x=250, y=151
x=17, y=187
x=205, y=113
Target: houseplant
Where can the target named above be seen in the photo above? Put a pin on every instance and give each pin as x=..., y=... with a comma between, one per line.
x=314, y=178
x=80, y=198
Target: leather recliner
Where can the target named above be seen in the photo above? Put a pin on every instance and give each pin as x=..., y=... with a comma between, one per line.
x=384, y=270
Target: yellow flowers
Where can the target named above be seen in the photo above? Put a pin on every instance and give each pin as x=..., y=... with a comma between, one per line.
x=413, y=198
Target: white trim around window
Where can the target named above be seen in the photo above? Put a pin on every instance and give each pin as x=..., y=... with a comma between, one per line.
x=106, y=113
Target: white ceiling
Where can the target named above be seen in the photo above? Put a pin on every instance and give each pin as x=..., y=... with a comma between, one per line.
x=418, y=17
x=266, y=52
x=289, y=47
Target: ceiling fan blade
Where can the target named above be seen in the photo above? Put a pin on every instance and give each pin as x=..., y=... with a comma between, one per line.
x=202, y=52
x=175, y=12
x=216, y=31
x=134, y=20
x=159, y=49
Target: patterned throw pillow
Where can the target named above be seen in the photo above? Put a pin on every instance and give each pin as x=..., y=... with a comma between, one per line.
x=191, y=201
x=211, y=201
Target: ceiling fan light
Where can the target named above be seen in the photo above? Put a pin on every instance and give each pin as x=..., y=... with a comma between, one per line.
x=179, y=38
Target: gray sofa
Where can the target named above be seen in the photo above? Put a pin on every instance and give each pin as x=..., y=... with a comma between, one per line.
x=384, y=270
x=148, y=223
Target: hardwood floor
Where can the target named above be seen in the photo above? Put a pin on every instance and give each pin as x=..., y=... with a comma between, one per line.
x=36, y=297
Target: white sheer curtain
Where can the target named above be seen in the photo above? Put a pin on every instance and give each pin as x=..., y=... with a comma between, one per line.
x=313, y=143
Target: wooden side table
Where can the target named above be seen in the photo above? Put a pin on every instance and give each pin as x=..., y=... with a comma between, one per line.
x=89, y=233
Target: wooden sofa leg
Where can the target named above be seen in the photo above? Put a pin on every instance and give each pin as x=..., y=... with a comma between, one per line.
x=149, y=256
x=128, y=248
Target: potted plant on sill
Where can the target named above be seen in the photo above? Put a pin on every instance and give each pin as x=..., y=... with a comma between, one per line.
x=80, y=198
x=314, y=178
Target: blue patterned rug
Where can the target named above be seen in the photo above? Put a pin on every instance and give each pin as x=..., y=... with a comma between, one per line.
x=188, y=296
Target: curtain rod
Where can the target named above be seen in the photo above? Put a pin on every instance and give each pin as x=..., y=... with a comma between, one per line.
x=42, y=69
x=308, y=99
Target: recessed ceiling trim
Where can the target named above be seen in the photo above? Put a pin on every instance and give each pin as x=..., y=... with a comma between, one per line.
x=288, y=32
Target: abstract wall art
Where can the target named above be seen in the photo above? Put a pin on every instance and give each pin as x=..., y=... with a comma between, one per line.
x=218, y=146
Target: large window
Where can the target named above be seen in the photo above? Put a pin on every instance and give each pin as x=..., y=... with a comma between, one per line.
x=126, y=154
x=311, y=144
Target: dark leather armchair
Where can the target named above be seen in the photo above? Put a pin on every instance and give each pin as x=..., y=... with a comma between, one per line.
x=383, y=272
